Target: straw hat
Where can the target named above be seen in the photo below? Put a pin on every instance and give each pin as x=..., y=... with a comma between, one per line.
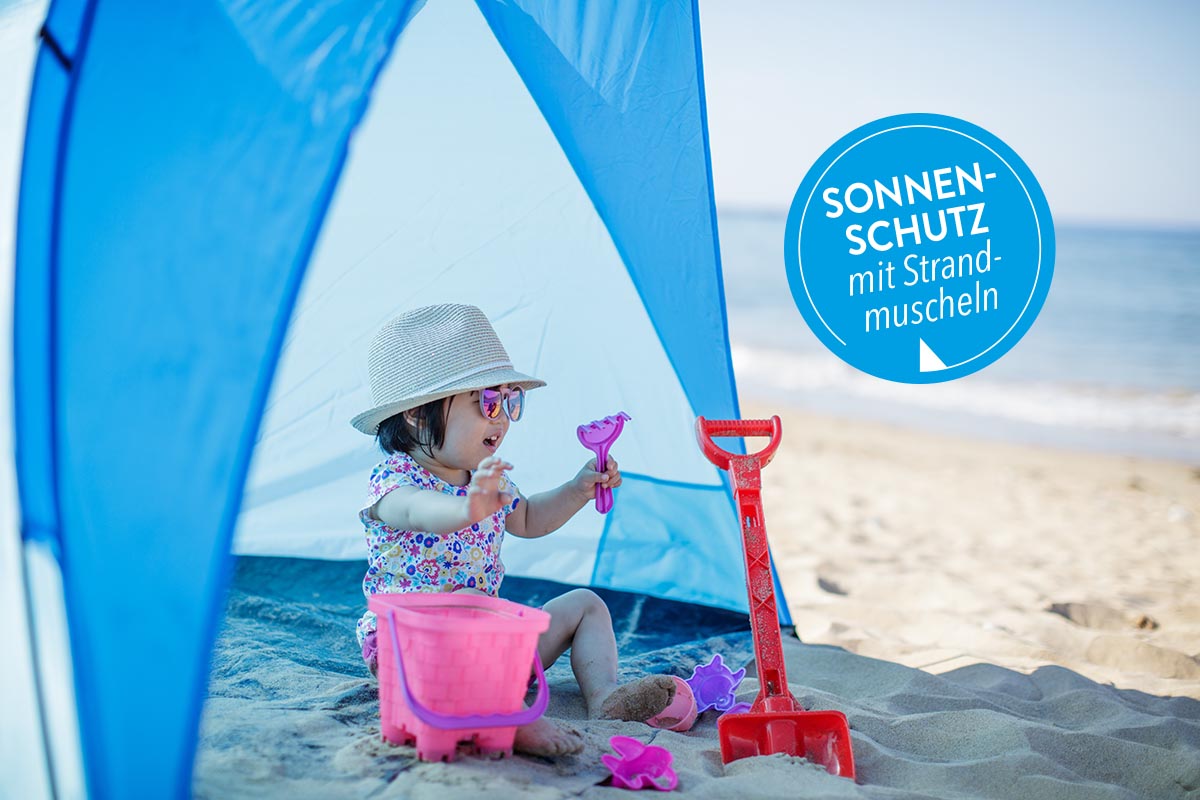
x=434, y=352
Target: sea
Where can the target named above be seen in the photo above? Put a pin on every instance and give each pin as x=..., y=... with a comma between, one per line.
x=1112, y=363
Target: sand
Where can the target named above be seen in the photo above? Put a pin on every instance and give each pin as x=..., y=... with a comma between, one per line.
x=938, y=553
x=996, y=621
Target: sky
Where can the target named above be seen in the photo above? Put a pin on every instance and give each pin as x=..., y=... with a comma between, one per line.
x=1100, y=99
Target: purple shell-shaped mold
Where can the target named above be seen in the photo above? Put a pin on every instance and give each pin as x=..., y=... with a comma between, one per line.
x=715, y=686
x=636, y=765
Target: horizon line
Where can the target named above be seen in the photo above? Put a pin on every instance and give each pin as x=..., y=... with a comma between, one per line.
x=1080, y=222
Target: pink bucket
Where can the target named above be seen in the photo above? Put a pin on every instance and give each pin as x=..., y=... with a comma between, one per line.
x=455, y=668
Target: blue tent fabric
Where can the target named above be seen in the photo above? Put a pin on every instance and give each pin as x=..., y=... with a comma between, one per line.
x=155, y=376
x=626, y=106
x=33, y=306
x=652, y=532
x=180, y=159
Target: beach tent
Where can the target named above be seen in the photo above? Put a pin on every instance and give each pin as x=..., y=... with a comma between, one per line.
x=220, y=203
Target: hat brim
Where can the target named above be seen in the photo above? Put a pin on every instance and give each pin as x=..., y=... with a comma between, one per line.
x=368, y=421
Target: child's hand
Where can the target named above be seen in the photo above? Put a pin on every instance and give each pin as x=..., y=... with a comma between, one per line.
x=588, y=477
x=484, y=497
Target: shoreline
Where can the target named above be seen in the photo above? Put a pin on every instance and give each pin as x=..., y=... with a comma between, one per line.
x=1157, y=424
x=940, y=551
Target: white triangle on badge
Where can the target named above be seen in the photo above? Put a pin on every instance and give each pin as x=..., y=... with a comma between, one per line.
x=929, y=360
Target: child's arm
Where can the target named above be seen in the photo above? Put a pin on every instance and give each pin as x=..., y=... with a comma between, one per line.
x=409, y=508
x=547, y=512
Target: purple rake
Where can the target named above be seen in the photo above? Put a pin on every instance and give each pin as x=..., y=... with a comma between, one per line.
x=598, y=436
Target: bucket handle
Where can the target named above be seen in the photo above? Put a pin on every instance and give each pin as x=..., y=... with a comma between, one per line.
x=465, y=721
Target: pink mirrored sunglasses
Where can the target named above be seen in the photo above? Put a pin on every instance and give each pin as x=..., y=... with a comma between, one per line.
x=511, y=400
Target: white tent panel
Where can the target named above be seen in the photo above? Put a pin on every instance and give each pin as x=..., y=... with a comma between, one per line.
x=505, y=225
x=22, y=750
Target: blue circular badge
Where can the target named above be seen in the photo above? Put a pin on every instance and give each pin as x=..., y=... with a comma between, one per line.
x=919, y=248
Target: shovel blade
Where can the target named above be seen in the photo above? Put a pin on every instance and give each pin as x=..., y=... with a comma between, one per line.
x=822, y=737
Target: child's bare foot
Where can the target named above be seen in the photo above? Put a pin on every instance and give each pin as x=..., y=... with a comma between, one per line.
x=547, y=738
x=640, y=700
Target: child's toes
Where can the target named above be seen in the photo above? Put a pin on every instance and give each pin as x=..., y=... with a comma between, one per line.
x=547, y=738
x=568, y=742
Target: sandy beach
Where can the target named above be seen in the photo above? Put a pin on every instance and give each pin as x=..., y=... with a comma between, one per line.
x=996, y=621
x=938, y=553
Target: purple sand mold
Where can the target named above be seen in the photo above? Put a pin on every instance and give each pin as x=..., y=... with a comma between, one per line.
x=714, y=686
x=637, y=765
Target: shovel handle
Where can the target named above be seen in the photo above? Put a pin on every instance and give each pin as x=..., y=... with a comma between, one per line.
x=706, y=429
x=747, y=493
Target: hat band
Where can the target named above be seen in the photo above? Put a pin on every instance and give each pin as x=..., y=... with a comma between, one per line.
x=453, y=379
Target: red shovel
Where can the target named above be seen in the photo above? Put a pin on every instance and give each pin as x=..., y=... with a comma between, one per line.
x=775, y=722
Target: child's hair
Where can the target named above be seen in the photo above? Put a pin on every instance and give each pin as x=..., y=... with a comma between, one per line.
x=397, y=434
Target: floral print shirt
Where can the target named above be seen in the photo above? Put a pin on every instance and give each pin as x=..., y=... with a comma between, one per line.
x=416, y=561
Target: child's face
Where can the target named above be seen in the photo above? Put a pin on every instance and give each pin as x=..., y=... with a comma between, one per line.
x=470, y=436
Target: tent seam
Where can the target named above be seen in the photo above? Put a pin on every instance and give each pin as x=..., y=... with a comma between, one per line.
x=23, y=527
x=75, y=635
x=706, y=487
x=52, y=43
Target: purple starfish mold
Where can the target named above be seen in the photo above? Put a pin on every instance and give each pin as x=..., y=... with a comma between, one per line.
x=715, y=686
x=636, y=765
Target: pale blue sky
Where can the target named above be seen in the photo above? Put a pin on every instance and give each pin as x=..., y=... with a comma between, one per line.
x=1101, y=99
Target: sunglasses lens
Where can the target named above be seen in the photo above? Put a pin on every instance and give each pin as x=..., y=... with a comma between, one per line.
x=516, y=403
x=489, y=403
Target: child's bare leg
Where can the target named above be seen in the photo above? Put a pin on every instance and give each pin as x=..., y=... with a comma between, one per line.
x=542, y=737
x=579, y=620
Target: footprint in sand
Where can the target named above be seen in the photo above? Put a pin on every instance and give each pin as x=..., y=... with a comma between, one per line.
x=1125, y=652
x=831, y=586
x=1101, y=617
x=1131, y=655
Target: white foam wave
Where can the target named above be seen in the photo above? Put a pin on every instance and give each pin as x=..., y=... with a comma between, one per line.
x=1172, y=414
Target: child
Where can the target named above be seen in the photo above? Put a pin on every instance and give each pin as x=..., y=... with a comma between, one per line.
x=440, y=503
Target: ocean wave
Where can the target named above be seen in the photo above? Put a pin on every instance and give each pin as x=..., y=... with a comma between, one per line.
x=1174, y=414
